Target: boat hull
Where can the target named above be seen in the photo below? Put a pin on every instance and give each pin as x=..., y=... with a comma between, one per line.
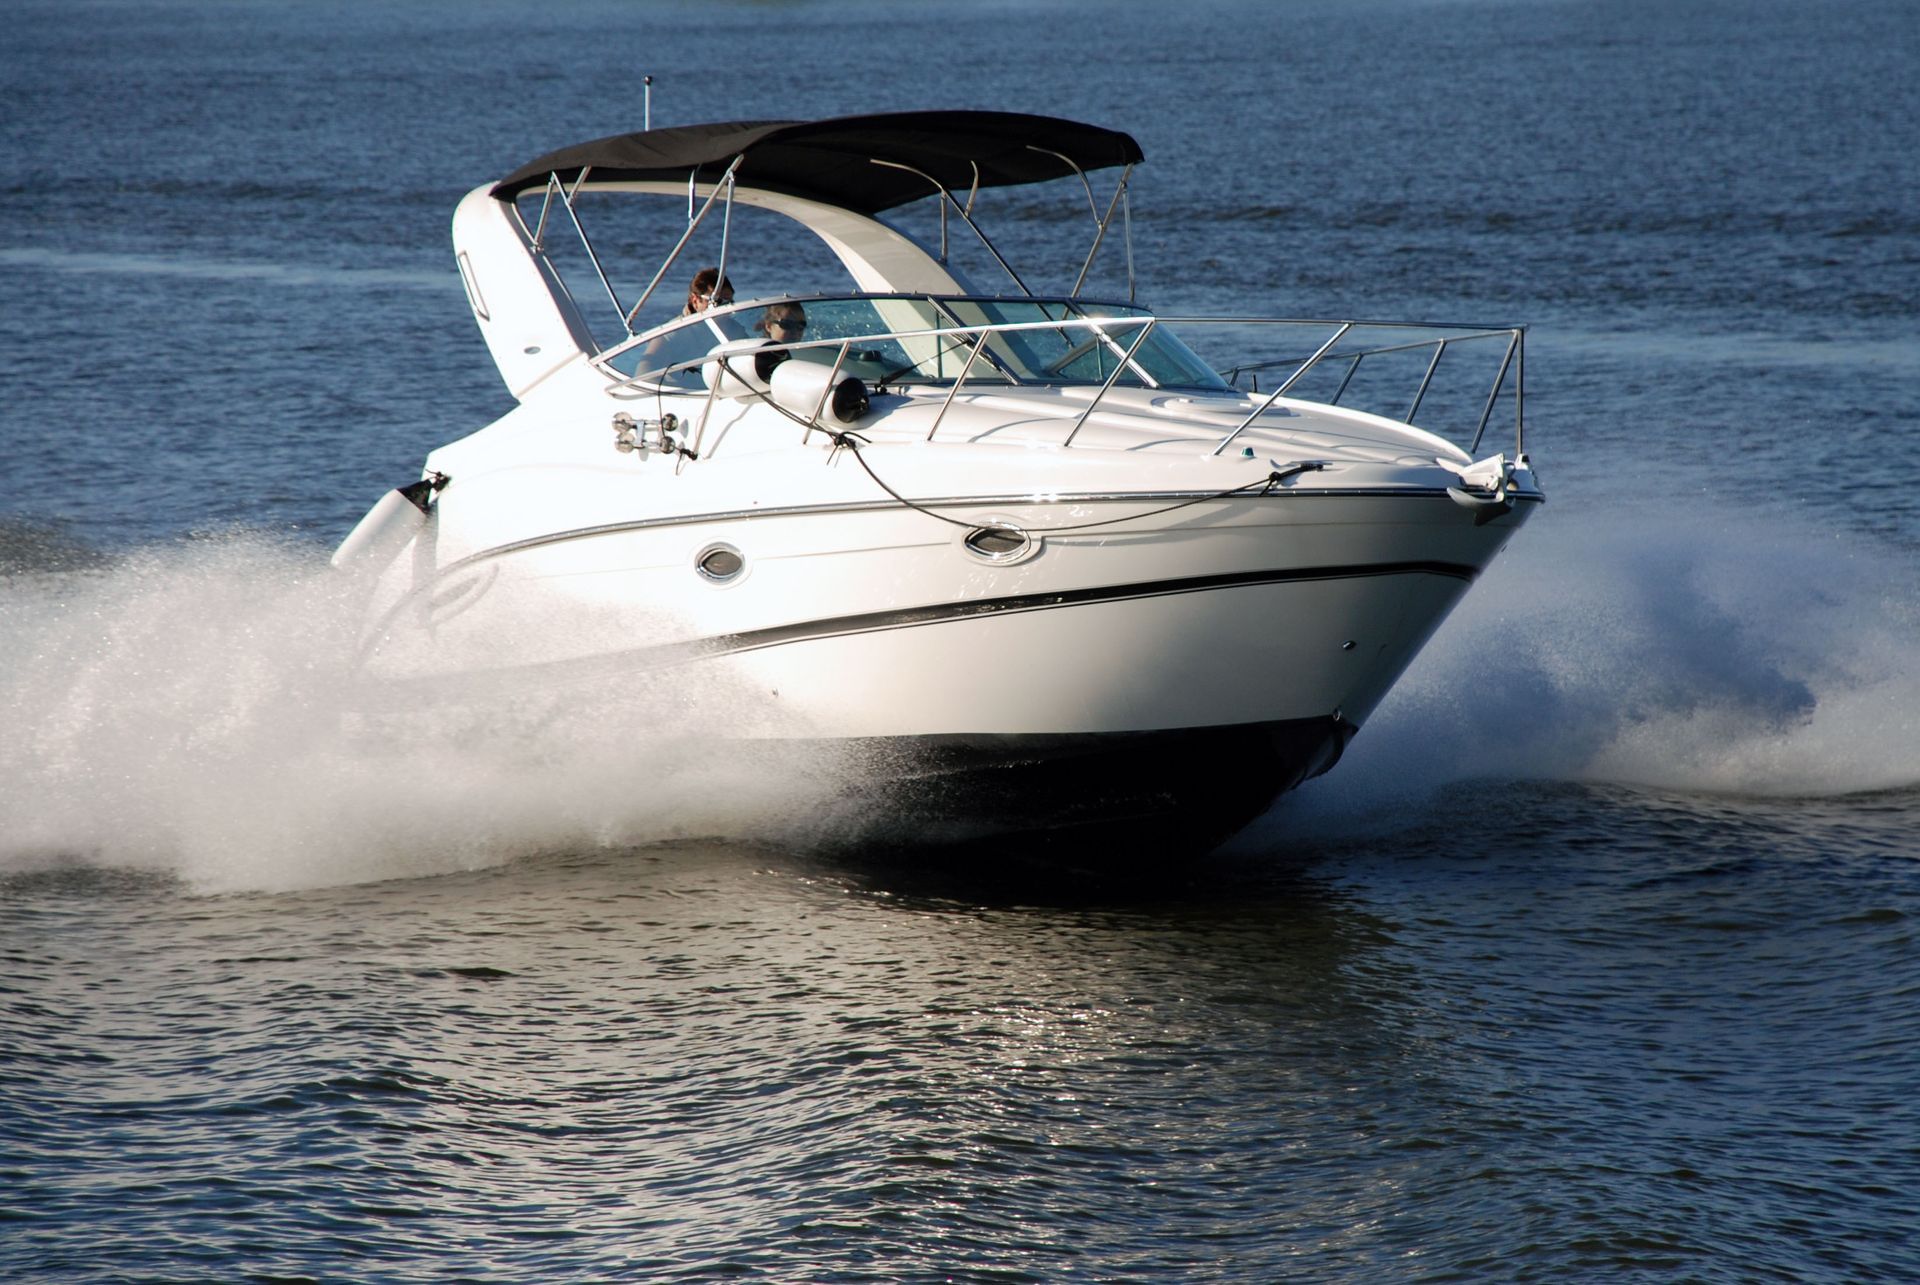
x=1184, y=673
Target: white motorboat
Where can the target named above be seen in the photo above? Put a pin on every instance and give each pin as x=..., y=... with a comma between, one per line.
x=1032, y=559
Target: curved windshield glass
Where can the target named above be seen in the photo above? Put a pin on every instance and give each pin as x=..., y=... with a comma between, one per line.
x=897, y=340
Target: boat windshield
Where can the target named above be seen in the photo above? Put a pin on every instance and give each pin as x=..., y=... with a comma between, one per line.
x=897, y=340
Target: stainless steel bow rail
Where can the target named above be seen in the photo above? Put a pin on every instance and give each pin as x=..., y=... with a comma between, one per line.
x=1513, y=360
x=1342, y=349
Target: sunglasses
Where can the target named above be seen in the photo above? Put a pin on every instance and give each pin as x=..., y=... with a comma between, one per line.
x=788, y=323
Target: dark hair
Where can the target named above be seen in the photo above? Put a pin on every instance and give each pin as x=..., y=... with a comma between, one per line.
x=791, y=313
x=706, y=279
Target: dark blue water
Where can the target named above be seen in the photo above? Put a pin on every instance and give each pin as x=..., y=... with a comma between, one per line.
x=1597, y=956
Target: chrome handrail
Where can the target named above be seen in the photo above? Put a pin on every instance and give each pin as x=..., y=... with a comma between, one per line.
x=976, y=336
x=1273, y=397
x=1112, y=379
x=1514, y=358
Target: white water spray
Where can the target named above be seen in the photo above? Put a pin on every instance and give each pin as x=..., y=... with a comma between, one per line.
x=194, y=712
x=1713, y=651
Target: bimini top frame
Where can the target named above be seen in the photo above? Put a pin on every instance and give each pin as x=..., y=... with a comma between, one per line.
x=863, y=164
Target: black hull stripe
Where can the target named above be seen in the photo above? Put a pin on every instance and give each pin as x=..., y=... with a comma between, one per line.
x=942, y=613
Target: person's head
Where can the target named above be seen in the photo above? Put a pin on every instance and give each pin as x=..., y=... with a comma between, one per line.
x=709, y=290
x=785, y=322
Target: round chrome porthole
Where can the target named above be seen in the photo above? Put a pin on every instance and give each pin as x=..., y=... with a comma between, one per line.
x=719, y=563
x=1000, y=543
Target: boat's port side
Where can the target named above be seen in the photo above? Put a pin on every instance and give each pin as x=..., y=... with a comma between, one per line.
x=883, y=623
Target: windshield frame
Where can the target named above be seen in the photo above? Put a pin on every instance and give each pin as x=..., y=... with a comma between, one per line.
x=1027, y=342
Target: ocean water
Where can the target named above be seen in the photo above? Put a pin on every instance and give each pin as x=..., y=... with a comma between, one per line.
x=1596, y=957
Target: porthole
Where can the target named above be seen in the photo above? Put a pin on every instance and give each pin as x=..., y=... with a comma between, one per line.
x=1000, y=543
x=719, y=563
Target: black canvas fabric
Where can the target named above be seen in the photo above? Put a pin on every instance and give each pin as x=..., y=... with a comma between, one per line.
x=833, y=160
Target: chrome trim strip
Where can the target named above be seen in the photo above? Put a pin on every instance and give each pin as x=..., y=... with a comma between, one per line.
x=970, y=501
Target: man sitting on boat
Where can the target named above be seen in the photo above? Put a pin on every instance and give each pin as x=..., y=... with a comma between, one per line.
x=703, y=294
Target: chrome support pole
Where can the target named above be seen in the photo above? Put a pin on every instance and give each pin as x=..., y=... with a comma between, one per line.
x=1439, y=346
x=1092, y=206
x=1274, y=396
x=1101, y=234
x=965, y=215
x=725, y=183
x=706, y=417
x=1112, y=379
x=1520, y=396
x=540, y=227
x=813, y=420
x=1493, y=394
x=1004, y=265
x=980, y=342
x=646, y=111
x=726, y=230
x=1352, y=370
x=587, y=244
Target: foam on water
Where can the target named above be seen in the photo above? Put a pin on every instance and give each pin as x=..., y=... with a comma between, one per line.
x=1710, y=651
x=195, y=710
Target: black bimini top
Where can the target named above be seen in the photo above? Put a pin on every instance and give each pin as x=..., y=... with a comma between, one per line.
x=833, y=161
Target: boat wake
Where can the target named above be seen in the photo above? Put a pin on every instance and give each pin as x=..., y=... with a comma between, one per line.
x=1714, y=653
x=192, y=711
